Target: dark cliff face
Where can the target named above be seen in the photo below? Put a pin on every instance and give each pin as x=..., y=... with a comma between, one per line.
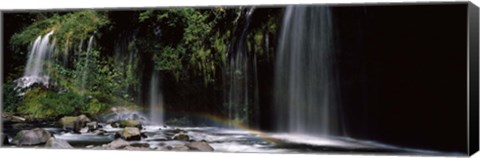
x=403, y=74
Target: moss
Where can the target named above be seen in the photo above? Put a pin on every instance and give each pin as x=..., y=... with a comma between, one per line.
x=129, y=123
x=42, y=103
x=68, y=120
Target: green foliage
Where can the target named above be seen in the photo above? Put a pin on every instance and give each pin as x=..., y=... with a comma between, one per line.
x=74, y=26
x=170, y=60
x=41, y=103
x=203, y=44
x=11, y=99
x=192, y=47
x=38, y=28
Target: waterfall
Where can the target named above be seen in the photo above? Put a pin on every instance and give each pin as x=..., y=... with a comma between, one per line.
x=35, y=69
x=156, y=100
x=86, y=67
x=305, y=84
x=39, y=53
x=241, y=84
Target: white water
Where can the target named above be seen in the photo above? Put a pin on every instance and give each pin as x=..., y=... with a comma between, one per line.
x=156, y=101
x=305, y=84
x=35, y=69
x=86, y=68
x=39, y=53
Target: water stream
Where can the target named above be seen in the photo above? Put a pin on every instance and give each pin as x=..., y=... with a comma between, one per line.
x=305, y=84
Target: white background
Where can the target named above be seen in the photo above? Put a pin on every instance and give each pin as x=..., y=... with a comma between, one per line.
x=70, y=4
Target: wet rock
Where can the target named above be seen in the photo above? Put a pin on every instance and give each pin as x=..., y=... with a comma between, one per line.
x=101, y=125
x=100, y=132
x=74, y=123
x=178, y=130
x=92, y=126
x=199, y=146
x=83, y=118
x=130, y=133
x=110, y=121
x=84, y=130
x=116, y=144
x=31, y=137
x=130, y=123
x=57, y=144
x=141, y=145
x=181, y=136
x=115, y=125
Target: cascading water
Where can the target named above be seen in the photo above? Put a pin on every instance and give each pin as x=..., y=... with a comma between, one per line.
x=36, y=63
x=156, y=100
x=305, y=84
x=241, y=84
x=86, y=67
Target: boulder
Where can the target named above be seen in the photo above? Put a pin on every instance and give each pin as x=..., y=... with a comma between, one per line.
x=130, y=133
x=68, y=122
x=57, y=144
x=110, y=121
x=84, y=130
x=92, y=126
x=74, y=123
x=116, y=144
x=199, y=146
x=130, y=123
x=31, y=137
x=141, y=145
x=181, y=136
x=115, y=125
x=99, y=132
x=178, y=130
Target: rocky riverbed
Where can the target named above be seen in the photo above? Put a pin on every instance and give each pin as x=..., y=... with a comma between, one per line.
x=130, y=132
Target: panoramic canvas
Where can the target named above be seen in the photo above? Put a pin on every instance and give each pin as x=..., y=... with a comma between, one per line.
x=389, y=79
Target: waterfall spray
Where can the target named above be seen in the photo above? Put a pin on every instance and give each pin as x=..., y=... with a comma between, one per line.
x=305, y=88
x=156, y=100
x=86, y=67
